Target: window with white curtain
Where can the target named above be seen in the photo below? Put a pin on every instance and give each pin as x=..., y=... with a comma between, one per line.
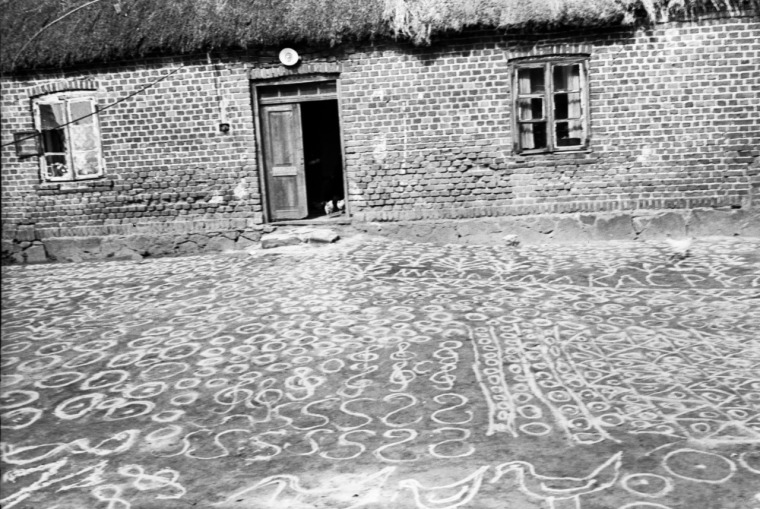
x=550, y=105
x=69, y=136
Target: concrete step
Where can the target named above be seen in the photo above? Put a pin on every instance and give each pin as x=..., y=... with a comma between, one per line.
x=294, y=235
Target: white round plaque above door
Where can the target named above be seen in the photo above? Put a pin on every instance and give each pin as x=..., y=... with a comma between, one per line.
x=289, y=57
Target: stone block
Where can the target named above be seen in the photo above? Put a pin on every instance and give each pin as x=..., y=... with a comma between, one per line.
x=187, y=248
x=199, y=239
x=253, y=236
x=614, y=228
x=35, y=254
x=571, y=229
x=749, y=224
x=160, y=246
x=220, y=243
x=245, y=243
x=73, y=249
x=110, y=246
x=421, y=231
x=139, y=243
x=544, y=225
x=707, y=222
x=9, y=248
x=279, y=239
x=322, y=235
x=125, y=254
x=125, y=248
x=25, y=233
x=527, y=235
x=669, y=224
x=476, y=232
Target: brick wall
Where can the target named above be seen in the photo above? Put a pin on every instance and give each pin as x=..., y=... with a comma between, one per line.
x=166, y=160
x=675, y=123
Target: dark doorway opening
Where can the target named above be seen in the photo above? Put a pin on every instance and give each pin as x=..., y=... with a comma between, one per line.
x=323, y=158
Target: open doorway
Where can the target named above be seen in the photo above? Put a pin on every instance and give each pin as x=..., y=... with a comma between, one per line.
x=301, y=151
x=323, y=159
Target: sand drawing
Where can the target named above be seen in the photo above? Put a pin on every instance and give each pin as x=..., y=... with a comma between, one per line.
x=556, y=490
x=699, y=466
x=346, y=492
x=448, y=496
x=647, y=485
x=644, y=505
x=398, y=359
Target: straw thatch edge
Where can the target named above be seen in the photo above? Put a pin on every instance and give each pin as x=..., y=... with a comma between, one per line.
x=58, y=34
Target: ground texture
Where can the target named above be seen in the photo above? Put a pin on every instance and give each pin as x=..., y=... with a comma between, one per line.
x=387, y=374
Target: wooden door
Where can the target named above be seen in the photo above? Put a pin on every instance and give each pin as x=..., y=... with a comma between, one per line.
x=283, y=160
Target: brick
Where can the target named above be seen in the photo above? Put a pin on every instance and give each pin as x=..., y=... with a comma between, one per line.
x=686, y=138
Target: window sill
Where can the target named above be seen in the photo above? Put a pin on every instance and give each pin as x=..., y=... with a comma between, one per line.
x=526, y=153
x=77, y=186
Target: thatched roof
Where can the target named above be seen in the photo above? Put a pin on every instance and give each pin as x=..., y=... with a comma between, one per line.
x=60, y=33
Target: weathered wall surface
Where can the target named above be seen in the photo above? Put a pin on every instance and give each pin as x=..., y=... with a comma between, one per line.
x=166, y=160
x=674, y=122
x=575, y=228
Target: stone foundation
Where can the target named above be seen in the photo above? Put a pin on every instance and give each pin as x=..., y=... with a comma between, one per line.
x=574, y=228
x=556, y=228
x=127, y=247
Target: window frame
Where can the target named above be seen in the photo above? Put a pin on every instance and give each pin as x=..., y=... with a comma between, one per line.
x=67, y=99
x=548, y=63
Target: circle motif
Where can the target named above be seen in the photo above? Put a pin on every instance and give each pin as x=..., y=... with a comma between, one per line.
x=17, y=398
x=647, y=485
x=700, y=466
x=20, y=418
x=164, y=370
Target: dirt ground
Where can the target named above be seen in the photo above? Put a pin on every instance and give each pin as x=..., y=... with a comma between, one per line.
x=386, y=374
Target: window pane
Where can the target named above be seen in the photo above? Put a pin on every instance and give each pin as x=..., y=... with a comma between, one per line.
x=533, y=135
x=56, y=166
x=567, y=106
x=329, y=87
x=54, y=141
x=567, y=77
x=531, y=80
x=531, y=109
x=289, y=91
x=52, y=116
x=569, y=134
x=82, y=137
x=81, y=113
x=86, y=163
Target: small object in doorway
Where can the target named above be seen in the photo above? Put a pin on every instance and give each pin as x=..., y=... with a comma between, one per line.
x=329, y=207
x=680, y=248
x=341, y=204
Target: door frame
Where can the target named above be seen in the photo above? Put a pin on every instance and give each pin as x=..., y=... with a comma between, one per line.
x=258, y=133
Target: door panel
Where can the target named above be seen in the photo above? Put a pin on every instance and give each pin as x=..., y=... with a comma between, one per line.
x=283, y=158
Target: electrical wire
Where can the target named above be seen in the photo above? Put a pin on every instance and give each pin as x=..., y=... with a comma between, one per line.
x=48, y=26
x=98, y=110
